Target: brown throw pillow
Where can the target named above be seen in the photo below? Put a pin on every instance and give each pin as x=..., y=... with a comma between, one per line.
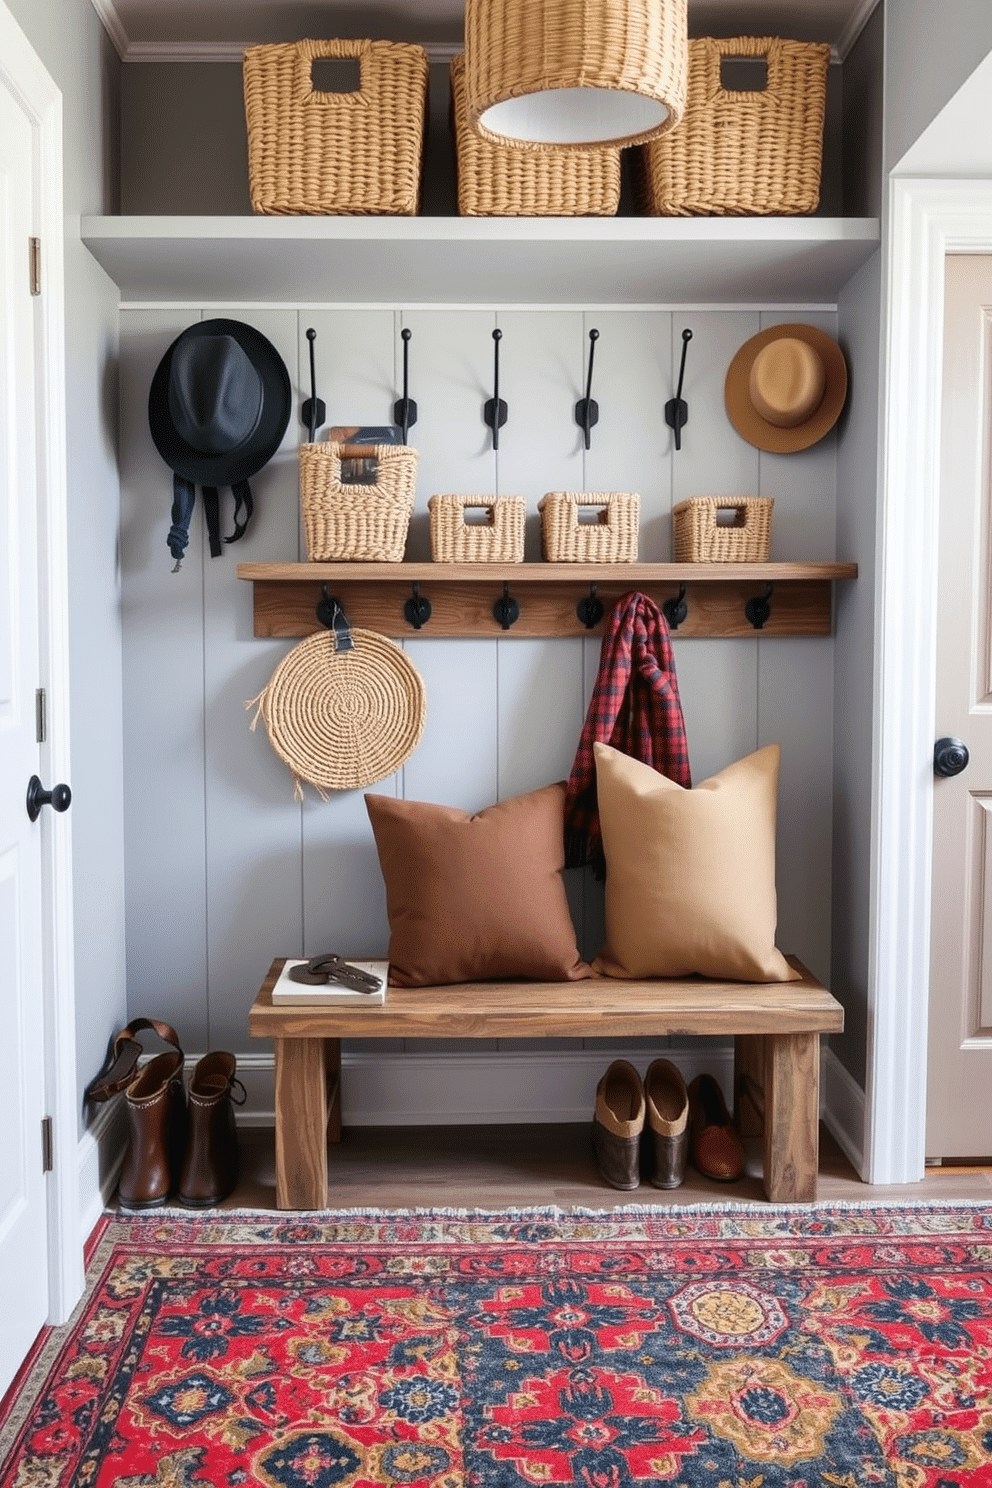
x=476, y=898
x=690, y=874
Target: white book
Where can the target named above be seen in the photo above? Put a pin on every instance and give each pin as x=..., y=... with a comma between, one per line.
x=286, y=992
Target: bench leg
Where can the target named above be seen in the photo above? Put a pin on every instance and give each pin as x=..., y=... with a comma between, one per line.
x=792, y=1116
x=308, y=1111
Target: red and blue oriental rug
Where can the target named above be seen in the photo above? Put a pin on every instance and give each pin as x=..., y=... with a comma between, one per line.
x=707, y=1348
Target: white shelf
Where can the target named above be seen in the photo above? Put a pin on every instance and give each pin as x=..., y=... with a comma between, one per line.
x=471, y=260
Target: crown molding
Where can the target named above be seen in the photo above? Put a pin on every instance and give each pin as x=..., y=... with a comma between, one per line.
x=233, y=51
x=853, y=29
x=113, y=25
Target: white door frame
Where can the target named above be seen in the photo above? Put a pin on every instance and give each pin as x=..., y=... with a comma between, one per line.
x=28, y=79
x=928, y=219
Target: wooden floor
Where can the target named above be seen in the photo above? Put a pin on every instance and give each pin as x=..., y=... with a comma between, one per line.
x=498, y=1167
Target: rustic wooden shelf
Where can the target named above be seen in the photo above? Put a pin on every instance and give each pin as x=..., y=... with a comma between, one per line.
x=462, y=596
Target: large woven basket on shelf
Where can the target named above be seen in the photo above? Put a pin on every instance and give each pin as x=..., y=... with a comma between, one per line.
x=324, y=153
x=498, y=539
x=701, y=537
x=741, y=152
x=351, y=521
x=610, y=538
x=499, y=181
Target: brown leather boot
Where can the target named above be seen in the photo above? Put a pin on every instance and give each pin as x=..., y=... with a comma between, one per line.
x=618, y=1124
x=156, y=1113
x=210, y=1165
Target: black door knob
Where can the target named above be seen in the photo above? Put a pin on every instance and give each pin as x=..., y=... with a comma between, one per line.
x=58, y=797
x=950, y=756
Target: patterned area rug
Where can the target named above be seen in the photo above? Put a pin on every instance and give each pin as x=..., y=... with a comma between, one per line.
x=713, y=1348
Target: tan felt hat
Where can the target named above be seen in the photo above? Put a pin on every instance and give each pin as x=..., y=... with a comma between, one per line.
x=786, y=387
x=343, y=719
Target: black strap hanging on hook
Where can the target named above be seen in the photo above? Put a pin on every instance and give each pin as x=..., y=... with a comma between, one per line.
x=676, y=409
x=495, y=411
x=587, y=409
x=330, y=613
x=313, y=413
x=405, y=409
x=506, y=610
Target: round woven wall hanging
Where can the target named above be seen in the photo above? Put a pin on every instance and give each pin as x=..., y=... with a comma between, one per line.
x=343, y=719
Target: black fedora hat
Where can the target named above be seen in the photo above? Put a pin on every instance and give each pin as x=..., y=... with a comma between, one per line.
x=218, y=407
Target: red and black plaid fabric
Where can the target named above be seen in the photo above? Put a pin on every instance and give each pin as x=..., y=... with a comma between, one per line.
x=635, y=707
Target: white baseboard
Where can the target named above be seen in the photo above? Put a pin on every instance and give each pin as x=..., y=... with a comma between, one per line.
x=842, y=1106
x=99, y=1156
x=465, y=1089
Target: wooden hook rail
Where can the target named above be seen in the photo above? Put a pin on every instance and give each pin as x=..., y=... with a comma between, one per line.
x=793, y=599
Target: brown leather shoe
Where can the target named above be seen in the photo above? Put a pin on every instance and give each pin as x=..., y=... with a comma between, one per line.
x=155, y=1102
x=618, y=1124
x=667, y=1102
x=715, y=1147
x=210, y=1166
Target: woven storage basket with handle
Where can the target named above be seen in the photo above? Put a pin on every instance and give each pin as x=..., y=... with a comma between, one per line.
x=499, y=539
x=699, y=536
x=344, y=521
x=742, y=152
x=499, y=181
x=611, y=538
x=325, y=153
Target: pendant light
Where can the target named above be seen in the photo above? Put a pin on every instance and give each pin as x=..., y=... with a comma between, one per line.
x=582, y=74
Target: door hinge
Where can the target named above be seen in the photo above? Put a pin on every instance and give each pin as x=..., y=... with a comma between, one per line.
x=40, y=716
x=34, y=247
x=47, y=1157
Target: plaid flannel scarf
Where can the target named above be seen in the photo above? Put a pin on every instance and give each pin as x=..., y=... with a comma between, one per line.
x=635, y=707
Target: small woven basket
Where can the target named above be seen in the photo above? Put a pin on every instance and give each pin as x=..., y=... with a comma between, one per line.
x=499, y=539
x=743, y=153
x=326, y=153
x=699, y=537
x=611, y=538
x=499, y=181
x=345, y=521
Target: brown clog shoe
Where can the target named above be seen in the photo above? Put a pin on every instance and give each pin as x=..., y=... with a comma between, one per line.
x=667, y=1128
x=618, y=1124
x=715, y=1148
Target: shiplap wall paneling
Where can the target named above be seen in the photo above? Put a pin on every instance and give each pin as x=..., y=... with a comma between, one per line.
x=630, y=447
x=253, y=823
x=164, y=785
x=344, y=902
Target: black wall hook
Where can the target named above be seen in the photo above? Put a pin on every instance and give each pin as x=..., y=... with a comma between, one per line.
x=506, y=610
x=590, y=608
x=313, y=413
x=587, y=409
x=417, y=610
x=676, y=409
x=494, y=410
x=331, y=614
x=757, y=609
x=405, y=409
x=675, y=609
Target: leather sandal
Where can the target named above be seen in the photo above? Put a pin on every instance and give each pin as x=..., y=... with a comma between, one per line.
x=320, y=970
x=155, y=1101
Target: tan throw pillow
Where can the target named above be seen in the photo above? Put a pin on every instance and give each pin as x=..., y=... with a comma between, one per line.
x=690, y=874
x=476, y=898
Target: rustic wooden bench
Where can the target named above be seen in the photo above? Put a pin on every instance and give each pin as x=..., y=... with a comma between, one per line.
x=776, y=1028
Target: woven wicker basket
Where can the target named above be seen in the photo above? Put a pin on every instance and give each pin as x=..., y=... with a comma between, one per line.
x=500, y=539
x=325, y=153
x=498, y=181
x=612, y=538
x=367, y=523
x=742, y=153
x=700, y=538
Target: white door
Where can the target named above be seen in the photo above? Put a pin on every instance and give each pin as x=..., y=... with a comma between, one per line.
x=959, y=1046
x=23, y=1202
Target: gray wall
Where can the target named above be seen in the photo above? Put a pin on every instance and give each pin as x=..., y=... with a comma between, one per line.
x=930, y=50
x=75, y=49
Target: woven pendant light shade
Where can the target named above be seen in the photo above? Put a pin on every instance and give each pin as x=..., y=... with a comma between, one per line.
x=575, y=73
